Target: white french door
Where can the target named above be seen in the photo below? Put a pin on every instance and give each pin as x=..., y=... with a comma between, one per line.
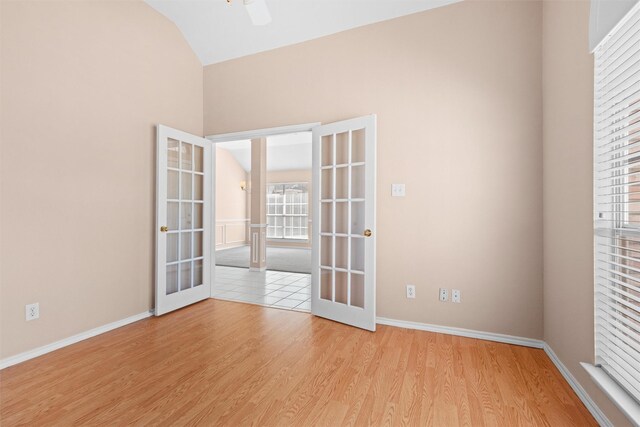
x=183, y=219
x=343, y=258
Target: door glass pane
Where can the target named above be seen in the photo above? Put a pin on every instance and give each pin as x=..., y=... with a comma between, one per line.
x=357, y=182
x=185, y=275
x=357, y=146
x=357, y=290
x=326, y=252
x=186, y=186
x=342, y=183
x=187, y=156
x=173, y=185
x=198, y=158
x=185, y=216
x=325, y=284
x=357, y=218
x=341, y=287
x=326, y=184
x=197, y=215
x=326, y=214
x=172, y=247
x=172, y=278
x=326, y=148
x=197, y=273
x=172, y=215
x=342, y=254
x=357, y=253
x=197, y=187
x=173, y=153
x=185, y=245
x=342, y=217
x=197, y=244
x=342, y=148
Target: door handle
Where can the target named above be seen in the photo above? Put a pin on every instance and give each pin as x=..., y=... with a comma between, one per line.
x=367, y=233
x=164, y=228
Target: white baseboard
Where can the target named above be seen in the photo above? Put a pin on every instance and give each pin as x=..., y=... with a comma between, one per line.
x=469, y=333
x=233, y=246
x=577, y=388
x=18, y=358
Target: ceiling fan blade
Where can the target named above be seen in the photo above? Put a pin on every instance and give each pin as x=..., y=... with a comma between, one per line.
x=258, y=11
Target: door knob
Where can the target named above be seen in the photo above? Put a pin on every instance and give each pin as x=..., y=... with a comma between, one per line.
x=367, y=233
x=164, y=228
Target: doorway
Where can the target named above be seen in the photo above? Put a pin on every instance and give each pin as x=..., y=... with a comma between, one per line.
x=276, y=207
x=342, y=196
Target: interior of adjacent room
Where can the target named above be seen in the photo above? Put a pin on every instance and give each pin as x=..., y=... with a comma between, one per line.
x=283, y=279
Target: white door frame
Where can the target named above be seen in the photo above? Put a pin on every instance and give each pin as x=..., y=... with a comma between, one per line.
x=236, y=136
x=261, y=133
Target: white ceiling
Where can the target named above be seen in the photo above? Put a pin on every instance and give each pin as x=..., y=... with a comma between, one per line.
x=218, y=31
x=284, y=152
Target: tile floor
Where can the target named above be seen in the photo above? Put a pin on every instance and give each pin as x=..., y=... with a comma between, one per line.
x=278, y=289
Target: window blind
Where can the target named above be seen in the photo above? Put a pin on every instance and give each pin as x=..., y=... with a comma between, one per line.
x=617, y=203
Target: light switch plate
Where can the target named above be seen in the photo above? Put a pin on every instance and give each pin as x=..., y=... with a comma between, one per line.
x=397, y=190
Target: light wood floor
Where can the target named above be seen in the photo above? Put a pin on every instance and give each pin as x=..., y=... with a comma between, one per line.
x=226, y=363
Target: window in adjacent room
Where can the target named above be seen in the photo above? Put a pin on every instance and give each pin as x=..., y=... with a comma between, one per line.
x=288, y=211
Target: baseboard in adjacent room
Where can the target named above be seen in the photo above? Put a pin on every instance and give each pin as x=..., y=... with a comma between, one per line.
x=27, y=355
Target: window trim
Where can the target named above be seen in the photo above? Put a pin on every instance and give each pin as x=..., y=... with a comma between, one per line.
x=619, y=396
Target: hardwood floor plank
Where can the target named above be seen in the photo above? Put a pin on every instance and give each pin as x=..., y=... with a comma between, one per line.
x=232, y=364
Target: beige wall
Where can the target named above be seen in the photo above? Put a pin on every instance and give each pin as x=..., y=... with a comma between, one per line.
x=231, y=201
x=568, y=192
x=83, y=85
x=457, y=91
x=279, y=177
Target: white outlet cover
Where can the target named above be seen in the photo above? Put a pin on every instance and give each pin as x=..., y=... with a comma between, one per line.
x=444, y=294
x=32, y=311
x=398, y=190
x=455, y=295
x=411, y=291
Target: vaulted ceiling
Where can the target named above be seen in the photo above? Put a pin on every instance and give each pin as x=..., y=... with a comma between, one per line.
x=218, y=31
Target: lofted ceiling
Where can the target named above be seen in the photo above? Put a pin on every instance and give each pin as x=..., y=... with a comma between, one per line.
x=284, y=152
x=218, y=31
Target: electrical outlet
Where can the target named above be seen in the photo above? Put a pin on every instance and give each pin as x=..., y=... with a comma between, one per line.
x=398, y=190
x=411, y=291
x=32, y=311
x=455, y=295
x=444, y=295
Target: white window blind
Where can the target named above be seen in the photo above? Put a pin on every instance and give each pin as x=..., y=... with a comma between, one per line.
x=617, y=204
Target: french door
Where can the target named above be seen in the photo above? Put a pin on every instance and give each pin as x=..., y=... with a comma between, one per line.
x=343, y=258
x=183, y=219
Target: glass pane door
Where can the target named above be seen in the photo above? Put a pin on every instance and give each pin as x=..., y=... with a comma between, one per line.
x=184, y=186
x=343, y=286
